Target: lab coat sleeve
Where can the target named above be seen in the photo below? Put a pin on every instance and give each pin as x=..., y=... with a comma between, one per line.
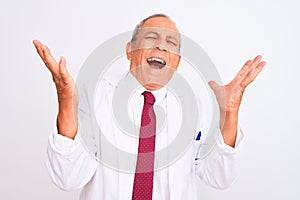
x=70, y=166
x=218, y=169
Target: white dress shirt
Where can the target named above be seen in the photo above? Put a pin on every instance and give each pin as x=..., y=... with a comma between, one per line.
x=71, y=166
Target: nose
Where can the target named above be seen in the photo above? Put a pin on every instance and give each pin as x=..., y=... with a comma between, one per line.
x=161, y=45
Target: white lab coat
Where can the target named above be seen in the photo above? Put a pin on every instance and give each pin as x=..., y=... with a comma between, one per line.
x=71, y=166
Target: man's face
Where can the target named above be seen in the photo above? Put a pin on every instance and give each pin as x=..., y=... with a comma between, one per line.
x=154, y=56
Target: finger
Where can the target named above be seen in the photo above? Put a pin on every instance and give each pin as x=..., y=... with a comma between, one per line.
x=46, y=56
x=256, y=61
x=219, y=93
x=253, y=74
x=49, y=60
x=64, y=74
x=213, y=85
x=248, y=66
x=39, y=48
x=243, y=72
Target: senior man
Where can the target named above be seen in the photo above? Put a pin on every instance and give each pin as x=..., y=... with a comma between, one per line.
x=154, y=55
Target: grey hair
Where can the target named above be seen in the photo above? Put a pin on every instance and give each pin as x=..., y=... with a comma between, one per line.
x=139, y=25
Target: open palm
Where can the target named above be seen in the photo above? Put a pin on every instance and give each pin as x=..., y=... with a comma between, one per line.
x=230, y=96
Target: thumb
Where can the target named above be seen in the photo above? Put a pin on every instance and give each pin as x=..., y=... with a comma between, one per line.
x=63, y=68
x=213, y=85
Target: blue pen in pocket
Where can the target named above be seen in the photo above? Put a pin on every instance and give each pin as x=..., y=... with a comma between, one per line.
x=198, y=136
x=198, y=146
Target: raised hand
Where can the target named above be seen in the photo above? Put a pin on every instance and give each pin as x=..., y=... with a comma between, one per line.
x=62, y=79
x=66, y=93
x=229, y=97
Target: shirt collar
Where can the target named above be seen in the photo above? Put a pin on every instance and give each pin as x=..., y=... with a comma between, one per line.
x=159, y=94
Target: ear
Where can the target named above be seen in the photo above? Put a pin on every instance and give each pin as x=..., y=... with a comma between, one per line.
x=128, y=50
x=178, y=61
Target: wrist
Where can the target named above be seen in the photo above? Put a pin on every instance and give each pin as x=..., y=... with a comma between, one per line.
x=67, y=117
x=67, y=124
x=228, y=126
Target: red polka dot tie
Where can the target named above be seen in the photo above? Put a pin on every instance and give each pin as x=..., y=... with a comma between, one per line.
x=143, y=179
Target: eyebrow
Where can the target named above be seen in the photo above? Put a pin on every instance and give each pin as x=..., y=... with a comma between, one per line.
x=152, y=32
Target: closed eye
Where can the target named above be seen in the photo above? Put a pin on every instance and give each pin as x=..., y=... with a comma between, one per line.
x=172, y=42
x=151, y=37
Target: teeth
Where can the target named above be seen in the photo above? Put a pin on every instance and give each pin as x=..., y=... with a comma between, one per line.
x=157, y=60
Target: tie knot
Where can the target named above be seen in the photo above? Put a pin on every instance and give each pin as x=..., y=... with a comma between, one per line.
x=149, y=97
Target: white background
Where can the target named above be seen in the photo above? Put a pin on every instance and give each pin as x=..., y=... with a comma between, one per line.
x=229, y=31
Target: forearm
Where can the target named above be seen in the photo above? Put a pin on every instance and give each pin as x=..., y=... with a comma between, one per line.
x=67, y=117
x=228, y=126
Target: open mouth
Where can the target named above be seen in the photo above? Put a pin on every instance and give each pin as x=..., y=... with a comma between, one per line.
x=156, y=62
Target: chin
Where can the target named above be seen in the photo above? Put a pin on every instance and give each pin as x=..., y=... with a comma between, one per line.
x=153, y=86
